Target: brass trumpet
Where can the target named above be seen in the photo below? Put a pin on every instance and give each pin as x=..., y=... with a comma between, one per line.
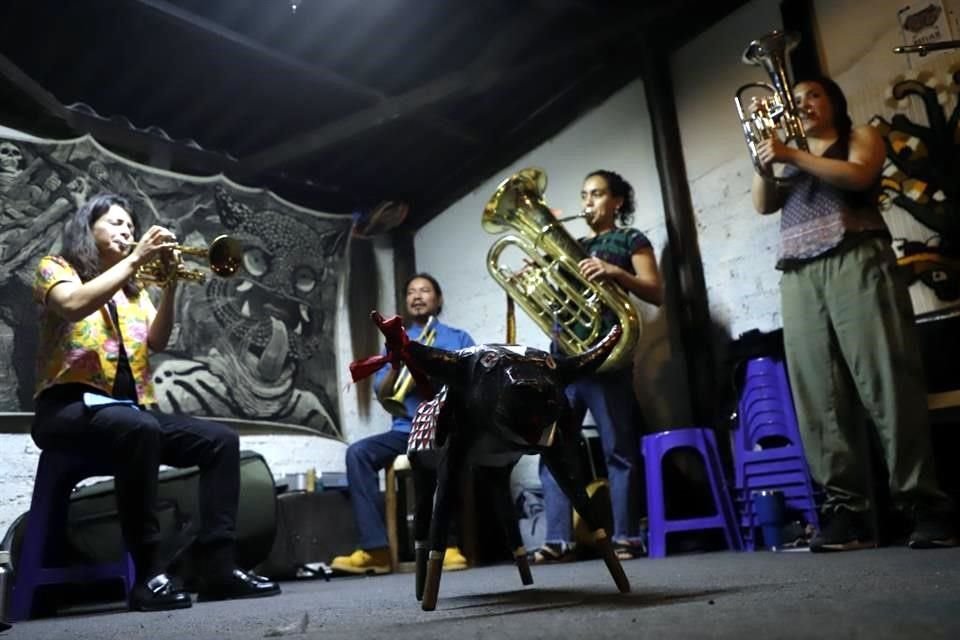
x=404, y=383
x=224, y=258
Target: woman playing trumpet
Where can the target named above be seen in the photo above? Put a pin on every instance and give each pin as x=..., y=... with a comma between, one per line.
x=98, y=326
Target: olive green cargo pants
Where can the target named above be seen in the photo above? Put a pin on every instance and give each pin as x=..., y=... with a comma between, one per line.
x=850, y=341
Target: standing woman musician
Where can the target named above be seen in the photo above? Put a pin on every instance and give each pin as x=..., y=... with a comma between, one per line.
x=625, y=256
x=848, y=325
x=97, y=328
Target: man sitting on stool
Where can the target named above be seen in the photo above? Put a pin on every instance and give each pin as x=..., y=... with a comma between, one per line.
x=366, y=457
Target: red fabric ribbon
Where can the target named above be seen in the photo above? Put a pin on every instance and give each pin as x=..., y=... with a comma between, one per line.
x=396, y=354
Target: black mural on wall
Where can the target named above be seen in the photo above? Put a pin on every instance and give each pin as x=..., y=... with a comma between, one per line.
x=259, y=346
x=922, y=176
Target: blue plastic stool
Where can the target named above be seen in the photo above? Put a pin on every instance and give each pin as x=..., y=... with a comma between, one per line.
x=655, y=448
x=45, y=534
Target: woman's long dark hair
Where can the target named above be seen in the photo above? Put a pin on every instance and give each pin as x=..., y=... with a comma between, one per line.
x=619, y=188
x=79, y=247
x=841, y=119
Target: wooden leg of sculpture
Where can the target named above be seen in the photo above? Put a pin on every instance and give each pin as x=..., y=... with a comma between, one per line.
x=451, y=465
x=424, y=488
x=499, y=479
x=561, y=459
x=390, y=515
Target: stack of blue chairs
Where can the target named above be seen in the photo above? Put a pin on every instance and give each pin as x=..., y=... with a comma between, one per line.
x=767, y=449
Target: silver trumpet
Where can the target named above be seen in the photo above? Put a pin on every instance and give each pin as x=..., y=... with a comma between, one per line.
x=776, y=114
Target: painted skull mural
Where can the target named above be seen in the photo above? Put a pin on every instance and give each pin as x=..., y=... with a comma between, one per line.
x=11, y=160
x=259, y=346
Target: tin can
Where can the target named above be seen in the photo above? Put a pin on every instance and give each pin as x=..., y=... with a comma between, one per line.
x=6, y=579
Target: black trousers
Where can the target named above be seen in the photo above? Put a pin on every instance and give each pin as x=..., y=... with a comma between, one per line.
x=137, y=442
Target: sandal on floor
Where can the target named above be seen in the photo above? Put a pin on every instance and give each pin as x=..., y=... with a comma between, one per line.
x=629, y=550
x=553, y=553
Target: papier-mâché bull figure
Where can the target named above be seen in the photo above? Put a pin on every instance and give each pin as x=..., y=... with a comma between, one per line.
x=497, y=403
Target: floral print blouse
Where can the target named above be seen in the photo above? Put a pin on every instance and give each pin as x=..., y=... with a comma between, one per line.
x=87, y=351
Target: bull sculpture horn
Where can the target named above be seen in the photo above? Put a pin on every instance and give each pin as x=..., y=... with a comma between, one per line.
x=570, y=368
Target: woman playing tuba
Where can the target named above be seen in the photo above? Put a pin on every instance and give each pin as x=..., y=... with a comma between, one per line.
x=615, y=258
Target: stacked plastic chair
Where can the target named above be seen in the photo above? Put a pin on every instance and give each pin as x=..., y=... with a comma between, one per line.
x=41, y=562
x=655, y=447
x=767, y=451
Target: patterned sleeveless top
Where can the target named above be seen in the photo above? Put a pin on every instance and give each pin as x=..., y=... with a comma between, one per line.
x=818, y=216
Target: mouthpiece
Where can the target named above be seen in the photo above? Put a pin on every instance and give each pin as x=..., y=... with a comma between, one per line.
x=583, y=214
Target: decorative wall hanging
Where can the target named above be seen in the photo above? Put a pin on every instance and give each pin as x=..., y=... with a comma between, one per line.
x=259, y=346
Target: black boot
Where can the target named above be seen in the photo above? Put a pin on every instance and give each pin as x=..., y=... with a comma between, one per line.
x=933, y=530
x=223, y=580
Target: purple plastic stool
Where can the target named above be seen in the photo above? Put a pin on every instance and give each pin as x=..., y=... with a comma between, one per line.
x=45, y=534
x=655, y=448
x=768, y=450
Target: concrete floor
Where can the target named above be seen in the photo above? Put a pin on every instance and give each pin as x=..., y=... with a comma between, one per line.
x=884, y=593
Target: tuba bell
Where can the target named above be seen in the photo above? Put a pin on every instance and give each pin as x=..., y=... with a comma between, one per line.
x=224, y=257
x=551, y=290
x=404, y=382
x=776, y=113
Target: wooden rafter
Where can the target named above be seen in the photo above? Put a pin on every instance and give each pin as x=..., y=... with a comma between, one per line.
x=322, y=76
x=465, y=82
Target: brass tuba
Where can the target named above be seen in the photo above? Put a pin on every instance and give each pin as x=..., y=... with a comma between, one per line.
x=224, y=257
x=562, y=302
x=777, y=112
x=404, y=382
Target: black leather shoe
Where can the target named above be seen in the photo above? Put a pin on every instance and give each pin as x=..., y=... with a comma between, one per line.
x=159, y=593
x=239, y=584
